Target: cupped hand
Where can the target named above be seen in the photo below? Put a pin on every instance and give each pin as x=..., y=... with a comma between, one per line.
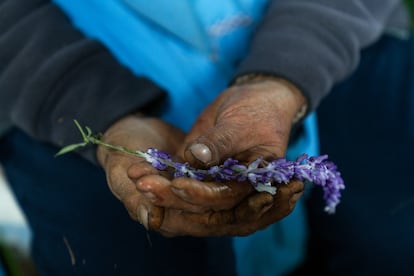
x=126, y=173
x=136, y=133
x=245, y=122
x=217, y=209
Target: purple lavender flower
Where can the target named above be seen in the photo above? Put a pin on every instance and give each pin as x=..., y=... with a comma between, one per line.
x=262, y=175
x=184, y=169
x=220, y=173
x=158, y=159
x=282, y=170
x=322, y=172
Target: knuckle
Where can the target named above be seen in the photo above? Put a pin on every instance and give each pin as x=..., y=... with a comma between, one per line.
x=224, y=139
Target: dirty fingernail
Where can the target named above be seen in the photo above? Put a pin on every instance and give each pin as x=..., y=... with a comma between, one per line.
x=201, y=152
x=143, y=216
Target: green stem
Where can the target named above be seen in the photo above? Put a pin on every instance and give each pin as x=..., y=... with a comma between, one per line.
x=88, y=138
x=97, y=141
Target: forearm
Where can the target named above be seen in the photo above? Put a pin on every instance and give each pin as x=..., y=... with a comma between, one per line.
x=51, y=74
x=315, y=44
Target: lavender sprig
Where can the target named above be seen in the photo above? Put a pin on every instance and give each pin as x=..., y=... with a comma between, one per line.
x=262, y=175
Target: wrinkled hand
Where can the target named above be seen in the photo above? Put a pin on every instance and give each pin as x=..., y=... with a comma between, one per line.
x=217, y=209
x=147, y=194
x=136, y=133
x=244, y=122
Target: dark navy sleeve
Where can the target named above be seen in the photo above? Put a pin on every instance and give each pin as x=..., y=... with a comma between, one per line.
x=51, y=74
x=315, y=44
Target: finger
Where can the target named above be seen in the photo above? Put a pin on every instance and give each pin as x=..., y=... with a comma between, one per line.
x=254, y=207
x=139, y=209
x=138, y=170
x=255, y=213
x=203, y=144
x=202, y=156
x=296, y=186
x=119, y=182
x=212, y=195
x=124, y=189
x=174, y=224
x=215, y=223
x=284, y=203
x=254, y=219
x=295, y=198
x=223, y=140
x=249, y=210
x=288, y=194
x=177, y=224
x=235, y=138
x=241, y=123
x=157, y=190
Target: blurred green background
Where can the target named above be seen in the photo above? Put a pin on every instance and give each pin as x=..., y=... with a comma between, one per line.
x=410, y=4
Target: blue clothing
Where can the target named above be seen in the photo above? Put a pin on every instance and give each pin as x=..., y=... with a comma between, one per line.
x=148, y=46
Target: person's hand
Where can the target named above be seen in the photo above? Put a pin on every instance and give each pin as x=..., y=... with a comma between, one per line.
x=136, y=133
x=245, y=122
x=189, y=207
x=127, y=174
x=212, y=209
x=149, y=199
x=201, y=209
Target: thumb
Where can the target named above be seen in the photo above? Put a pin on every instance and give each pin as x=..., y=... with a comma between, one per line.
x=244, y=122
x=229, y=139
